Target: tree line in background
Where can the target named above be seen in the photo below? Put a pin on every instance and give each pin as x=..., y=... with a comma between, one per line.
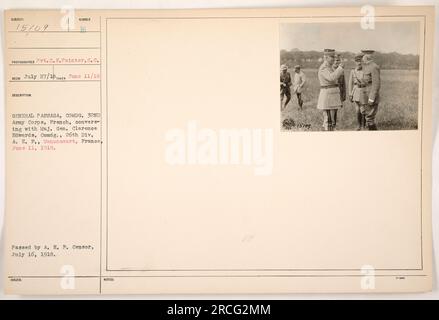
x=313, y=59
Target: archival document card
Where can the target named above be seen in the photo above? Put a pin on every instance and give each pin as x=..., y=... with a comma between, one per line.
x=218, y=151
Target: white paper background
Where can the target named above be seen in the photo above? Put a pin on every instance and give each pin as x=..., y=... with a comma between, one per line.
x=179, y=4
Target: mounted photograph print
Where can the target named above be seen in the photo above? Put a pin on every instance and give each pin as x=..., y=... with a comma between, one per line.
x=350, y=76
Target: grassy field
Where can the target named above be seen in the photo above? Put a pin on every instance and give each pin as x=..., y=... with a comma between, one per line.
x=398, y=108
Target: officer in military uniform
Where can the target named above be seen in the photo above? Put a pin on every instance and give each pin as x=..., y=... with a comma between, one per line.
x=285, y=84
x=371, y=74
x=299, y=80
x=357, y=91
x=341, y=79
x=329, y=97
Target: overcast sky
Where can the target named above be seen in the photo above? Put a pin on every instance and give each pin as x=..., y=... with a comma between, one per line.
x=401, y=37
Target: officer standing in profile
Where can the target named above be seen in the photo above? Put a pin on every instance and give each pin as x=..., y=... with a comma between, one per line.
x=371, y=74
x=285, y=84
x=329, y=97
x=357, y=92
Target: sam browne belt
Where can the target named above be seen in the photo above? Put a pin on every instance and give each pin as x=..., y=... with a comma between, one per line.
x=329, y=86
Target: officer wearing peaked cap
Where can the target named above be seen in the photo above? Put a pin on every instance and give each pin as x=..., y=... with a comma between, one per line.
x=329, y=97
x=371, y=73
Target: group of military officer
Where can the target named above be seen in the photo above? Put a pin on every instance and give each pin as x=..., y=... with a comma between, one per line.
x=363, y=88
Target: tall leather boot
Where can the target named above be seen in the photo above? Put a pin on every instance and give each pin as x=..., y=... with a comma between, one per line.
x=360, y=121
x=328, y=113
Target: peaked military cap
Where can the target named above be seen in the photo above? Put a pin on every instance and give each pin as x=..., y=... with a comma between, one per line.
x=329, y=52
x=358, y=57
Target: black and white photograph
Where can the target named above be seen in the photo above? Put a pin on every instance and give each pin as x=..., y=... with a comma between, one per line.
x=343, y=76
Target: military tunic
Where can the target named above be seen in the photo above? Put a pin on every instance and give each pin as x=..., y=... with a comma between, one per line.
x=299, y=82
x=329, y=96
x=371, y=73
x=372, y=79
x=285, y=81
x=357, y=86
